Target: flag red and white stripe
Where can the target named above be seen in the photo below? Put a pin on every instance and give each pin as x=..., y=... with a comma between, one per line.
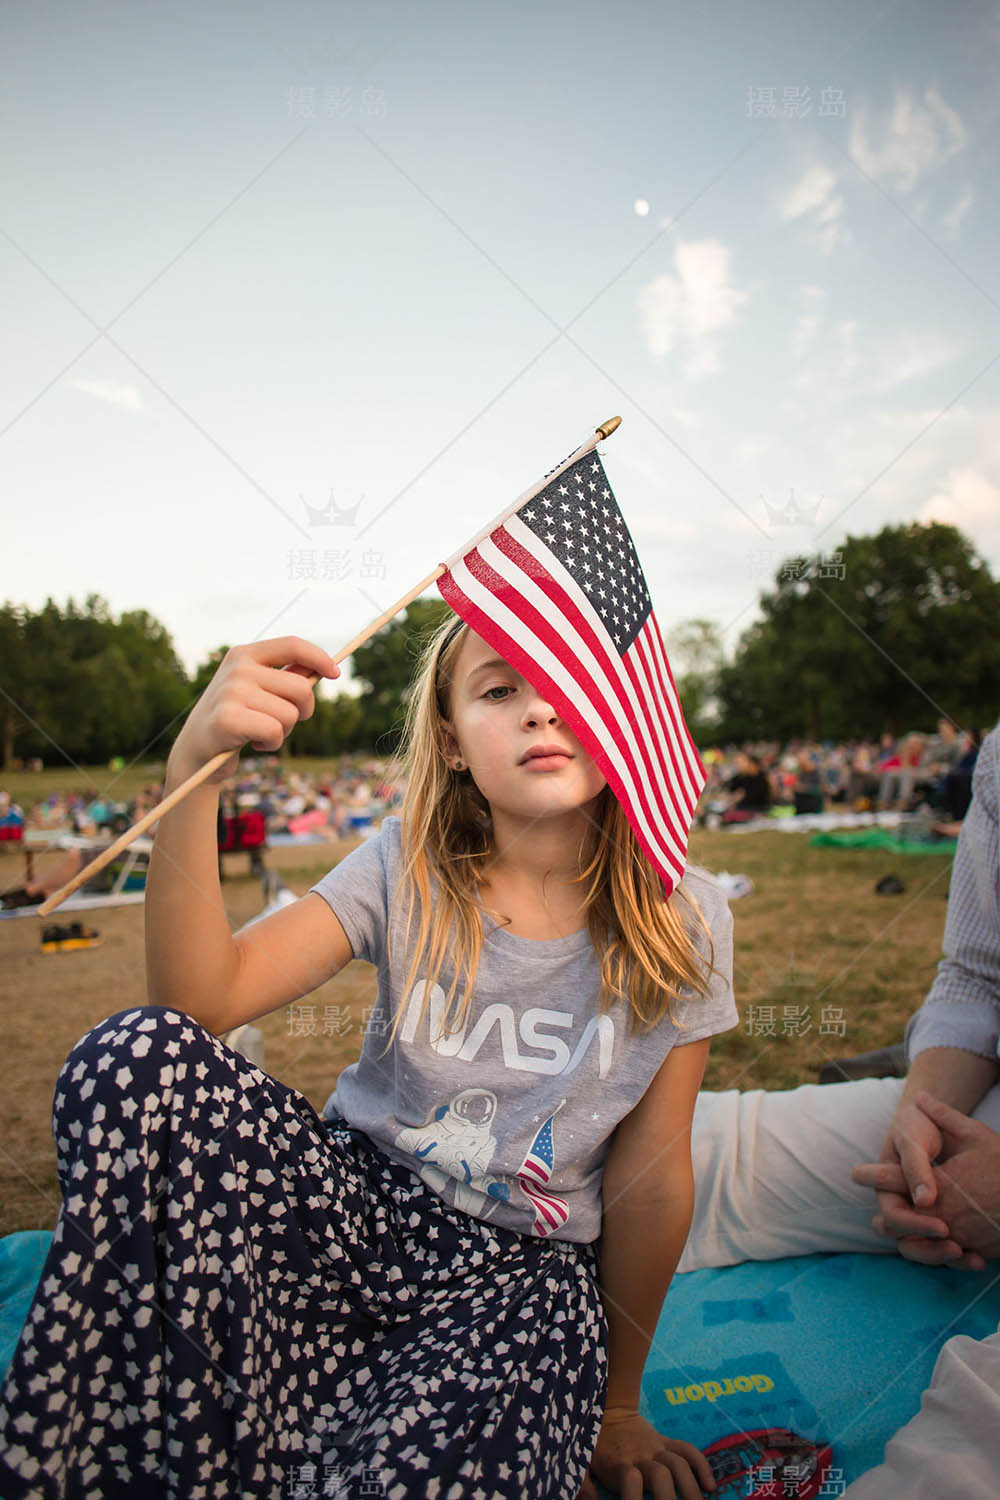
x=551, y=1211
x=556, y=588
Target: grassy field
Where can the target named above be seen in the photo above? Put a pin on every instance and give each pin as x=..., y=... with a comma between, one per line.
x=29, y=787
x=825, y=968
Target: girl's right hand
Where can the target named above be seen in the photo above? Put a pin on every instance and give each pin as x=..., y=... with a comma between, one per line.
x=632, y=1456
x=250, y=698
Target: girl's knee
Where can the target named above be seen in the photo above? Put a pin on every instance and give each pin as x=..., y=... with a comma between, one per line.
x=138, y=1031
x=126, y=1055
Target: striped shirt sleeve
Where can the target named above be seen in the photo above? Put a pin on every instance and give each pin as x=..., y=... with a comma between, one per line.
x=962, y=1008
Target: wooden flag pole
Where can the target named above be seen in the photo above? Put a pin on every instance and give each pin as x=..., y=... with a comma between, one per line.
x=180, y=792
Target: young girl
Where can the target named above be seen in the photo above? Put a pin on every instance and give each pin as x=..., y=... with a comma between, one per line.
x=447, y=1285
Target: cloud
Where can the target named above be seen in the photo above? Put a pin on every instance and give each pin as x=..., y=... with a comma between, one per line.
x=970, y=501
x=809, y=323
x=952, y=220
x=814, y=190
x=968, y=494
x=814, y=199
x=848, y=353
x=662, y=528
x=825, y=354
x=888, y=362
x=917, y=137
x=671, y=520
x=804, y=334
x=688, y=307
x=908, y=358
x=885, y=465
x=991, y=25
x=750, y=449
x=106, y=390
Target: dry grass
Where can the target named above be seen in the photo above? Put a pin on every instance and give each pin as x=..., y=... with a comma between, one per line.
x=813, y=936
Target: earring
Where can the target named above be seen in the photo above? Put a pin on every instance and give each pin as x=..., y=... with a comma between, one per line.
x=460, y=765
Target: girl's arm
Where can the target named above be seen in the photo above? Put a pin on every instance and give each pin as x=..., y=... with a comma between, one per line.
x=192, y=960
x=648, y=1193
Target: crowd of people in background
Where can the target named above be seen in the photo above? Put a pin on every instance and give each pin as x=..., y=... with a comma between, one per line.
x=268, y=800
x=929, y=772
x=917, y=772
x=330, y=803
x=334, y=804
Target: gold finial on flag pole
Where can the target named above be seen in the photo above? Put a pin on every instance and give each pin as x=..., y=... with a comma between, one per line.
x=610, y=426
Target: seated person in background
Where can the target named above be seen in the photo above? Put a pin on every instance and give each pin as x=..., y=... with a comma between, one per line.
x=807, y=793
x=33, y=892
x=944, y=749
x=900, y=774
x=749, y=789
x=835, y=773
x=11, y=815
x=887, y=750
x=863, y=781
x=49, y=813
x=793, y=1172
x=955, y=789
x=99, y=812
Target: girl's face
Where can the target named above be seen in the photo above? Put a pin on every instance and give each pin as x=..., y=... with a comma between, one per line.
x=523, y=757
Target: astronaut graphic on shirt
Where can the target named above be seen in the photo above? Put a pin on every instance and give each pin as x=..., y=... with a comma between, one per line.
x=457, y=1143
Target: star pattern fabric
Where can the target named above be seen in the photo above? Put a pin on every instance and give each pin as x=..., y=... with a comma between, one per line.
x=578, y=519
x=242, y=1298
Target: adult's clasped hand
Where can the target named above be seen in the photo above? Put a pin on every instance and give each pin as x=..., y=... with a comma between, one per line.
x=939, y=1190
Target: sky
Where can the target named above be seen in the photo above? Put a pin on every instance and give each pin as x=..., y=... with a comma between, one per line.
x=298, y=297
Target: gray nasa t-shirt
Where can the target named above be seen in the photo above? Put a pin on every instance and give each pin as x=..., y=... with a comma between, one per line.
x=511, y=1118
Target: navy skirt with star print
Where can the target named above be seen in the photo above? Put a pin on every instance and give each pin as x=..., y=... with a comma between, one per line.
x=245, y=1299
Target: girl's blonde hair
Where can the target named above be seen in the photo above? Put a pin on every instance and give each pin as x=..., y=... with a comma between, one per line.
x=647, y=950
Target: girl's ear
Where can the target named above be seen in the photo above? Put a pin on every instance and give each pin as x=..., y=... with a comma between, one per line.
x=449, y=744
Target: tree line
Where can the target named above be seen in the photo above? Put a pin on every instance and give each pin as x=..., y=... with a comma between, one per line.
x=79, y=685
x=886, y=634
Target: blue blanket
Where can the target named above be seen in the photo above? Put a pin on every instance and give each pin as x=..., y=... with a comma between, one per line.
x=791, y=1374
x=21, y=1259
x=798, y=1371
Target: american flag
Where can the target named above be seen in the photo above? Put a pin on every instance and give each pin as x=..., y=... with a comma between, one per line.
x=555, y=587
x=551, y=1212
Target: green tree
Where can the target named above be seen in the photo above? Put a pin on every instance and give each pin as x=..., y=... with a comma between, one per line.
x=86, y=686
x=695, y=652
x=384, y=666
x=887, y=634
x=15, y=681
x=166, y=692
x=206, y=671
x=335, y=727
x=55, y=698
